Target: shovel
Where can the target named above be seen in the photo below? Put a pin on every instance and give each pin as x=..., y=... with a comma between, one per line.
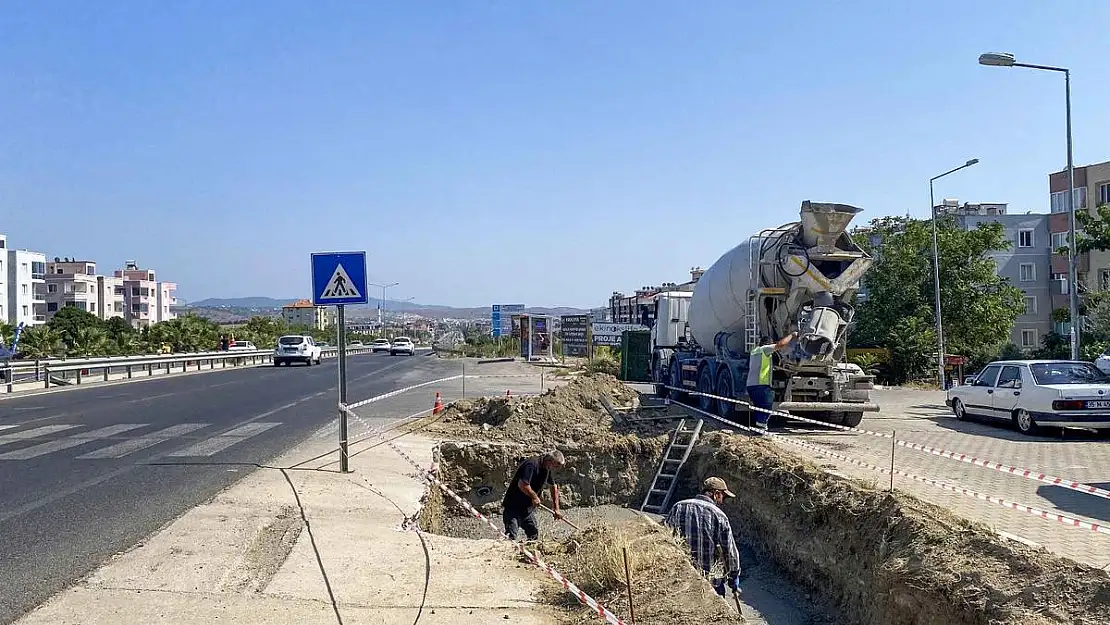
x=564, y=520
x=739, y=610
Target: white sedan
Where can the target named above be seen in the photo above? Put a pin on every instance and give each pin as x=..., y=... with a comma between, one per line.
x=1037, y=393
x=402, y=345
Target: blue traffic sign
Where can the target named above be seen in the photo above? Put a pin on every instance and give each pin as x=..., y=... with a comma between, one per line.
x=339, y=278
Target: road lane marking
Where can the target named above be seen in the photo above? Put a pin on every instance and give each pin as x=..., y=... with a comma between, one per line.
x=121, y=449
x=84, y=438
x=33, y=433
x=219, y=443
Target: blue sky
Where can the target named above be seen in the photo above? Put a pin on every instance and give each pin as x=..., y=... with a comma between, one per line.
x=542, y=152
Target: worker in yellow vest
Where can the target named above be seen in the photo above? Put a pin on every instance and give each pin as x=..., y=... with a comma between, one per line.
x=759, y=378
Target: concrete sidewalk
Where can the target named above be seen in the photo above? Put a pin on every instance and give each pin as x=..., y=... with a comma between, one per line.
x=247, y=557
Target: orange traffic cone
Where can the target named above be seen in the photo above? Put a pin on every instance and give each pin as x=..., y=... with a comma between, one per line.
x=438, y=407
x=508, y=394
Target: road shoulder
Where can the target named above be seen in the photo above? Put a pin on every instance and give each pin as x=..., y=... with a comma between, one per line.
x=248, y=557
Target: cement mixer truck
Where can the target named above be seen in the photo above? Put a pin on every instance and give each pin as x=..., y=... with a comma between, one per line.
x=802, y=277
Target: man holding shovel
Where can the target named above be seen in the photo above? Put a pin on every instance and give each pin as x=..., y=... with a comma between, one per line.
x=705, y=526
x=522, y=497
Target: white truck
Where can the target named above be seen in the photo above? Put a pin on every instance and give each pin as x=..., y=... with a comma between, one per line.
x=802, y=277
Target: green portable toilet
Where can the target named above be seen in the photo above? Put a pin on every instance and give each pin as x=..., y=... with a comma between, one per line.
x=636, y=356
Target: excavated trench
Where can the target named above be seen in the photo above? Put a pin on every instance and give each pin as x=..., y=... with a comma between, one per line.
x=819, y=548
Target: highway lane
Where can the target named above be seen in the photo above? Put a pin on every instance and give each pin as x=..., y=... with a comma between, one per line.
x=89, y=472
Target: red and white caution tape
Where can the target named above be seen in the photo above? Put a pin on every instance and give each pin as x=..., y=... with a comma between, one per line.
x=601, y=611
x=1028, y=474
x=1044, y=514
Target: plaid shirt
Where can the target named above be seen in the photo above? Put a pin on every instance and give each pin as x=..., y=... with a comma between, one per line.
x=704, y=526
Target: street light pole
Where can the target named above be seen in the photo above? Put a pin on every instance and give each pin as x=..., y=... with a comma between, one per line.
x=1005, y=59
x=936, y=269
x=381, y=307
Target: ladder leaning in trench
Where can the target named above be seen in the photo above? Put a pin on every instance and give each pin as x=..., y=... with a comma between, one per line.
x=666, y=478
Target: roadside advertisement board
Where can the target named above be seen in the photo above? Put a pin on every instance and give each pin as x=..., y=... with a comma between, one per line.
x=501, y=318
x=576, y=330
x=610, y=333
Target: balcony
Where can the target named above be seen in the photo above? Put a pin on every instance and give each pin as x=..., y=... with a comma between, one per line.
x=38, y=319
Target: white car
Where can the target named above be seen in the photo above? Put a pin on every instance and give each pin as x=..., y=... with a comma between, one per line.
x=240, y=346
x=379, y=345
x=1103, y=362
x=402, y=345
x=1037, y=393
x=297, y=348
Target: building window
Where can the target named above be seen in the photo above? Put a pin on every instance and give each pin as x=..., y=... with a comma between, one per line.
x=52, y=307
x=1028, y=272
x=1059, y=240
x=25, y=311
x=52, y=288
x=24, y=289
x=1028, y=338
x=1104, y=193
x=1059, y=200
x=1030, y=305
x=135, y=291
x=1025, y=238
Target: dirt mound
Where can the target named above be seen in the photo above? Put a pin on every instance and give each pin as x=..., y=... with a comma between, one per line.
x=666, y=589
x=564, y=415
x=888, y=558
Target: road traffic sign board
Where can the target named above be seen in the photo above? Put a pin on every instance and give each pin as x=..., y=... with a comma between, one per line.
x=339, y=278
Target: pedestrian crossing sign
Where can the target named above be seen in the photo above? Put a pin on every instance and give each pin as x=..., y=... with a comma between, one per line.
x=339, y=278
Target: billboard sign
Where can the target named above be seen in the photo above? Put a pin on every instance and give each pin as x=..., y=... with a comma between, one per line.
x=576, y=339
x=501, y=318
x=610, y=333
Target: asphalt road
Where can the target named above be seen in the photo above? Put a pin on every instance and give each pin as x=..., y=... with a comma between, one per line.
x=89, y=472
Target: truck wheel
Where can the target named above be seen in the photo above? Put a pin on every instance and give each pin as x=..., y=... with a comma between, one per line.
x=676, y=382
x=851, y=419
x=705, y=385
x=725, y=409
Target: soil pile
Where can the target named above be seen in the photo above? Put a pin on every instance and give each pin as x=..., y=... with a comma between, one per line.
x=892, y=559
x=565, y=415
x=666, y=589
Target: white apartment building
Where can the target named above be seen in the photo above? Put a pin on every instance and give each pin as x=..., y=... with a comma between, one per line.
x=146, y=300
x=303, y=313
x=22, y=295
x=72, y=283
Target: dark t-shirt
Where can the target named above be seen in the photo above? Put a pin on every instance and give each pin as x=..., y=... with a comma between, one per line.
x=531, y=471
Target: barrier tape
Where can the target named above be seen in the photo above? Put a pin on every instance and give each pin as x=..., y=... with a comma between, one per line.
x=406, y=389
x=1028, y=474
x=1044, y=514
x=601, y=611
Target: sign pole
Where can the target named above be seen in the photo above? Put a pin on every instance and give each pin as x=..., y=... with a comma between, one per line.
x=342, y=340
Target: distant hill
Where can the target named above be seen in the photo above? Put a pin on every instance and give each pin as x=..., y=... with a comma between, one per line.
x=240, y=306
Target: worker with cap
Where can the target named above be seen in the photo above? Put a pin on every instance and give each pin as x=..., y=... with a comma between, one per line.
x=759, y=378
x=705, y=526
x=522, y=497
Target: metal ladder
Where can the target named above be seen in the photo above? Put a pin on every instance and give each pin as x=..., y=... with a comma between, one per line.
x=666, y=478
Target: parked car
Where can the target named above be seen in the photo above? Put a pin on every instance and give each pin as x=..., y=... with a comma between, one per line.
x=1103, y=362
x=1037, y=393
x=969, y=379
x=402, y=345
x=379, y=345
x=239, y=346
x=297, y=348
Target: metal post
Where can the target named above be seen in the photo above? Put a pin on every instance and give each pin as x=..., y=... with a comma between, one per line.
x=342, y=358
x=936, y=289
x=1073, y=251
x=893, y=446
x=464, y=379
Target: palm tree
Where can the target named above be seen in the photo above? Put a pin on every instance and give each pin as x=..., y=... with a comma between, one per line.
x=89, y=341
x=40, y=342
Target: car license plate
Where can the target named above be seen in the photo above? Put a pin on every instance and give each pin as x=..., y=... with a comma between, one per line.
x=1098, y=404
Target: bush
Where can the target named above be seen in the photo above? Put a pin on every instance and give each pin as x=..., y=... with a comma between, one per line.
x=605, y=360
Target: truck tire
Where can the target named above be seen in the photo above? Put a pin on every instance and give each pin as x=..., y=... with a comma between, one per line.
x=705, y=385
x=725, y=409
x=851, y=419
x=676, y=382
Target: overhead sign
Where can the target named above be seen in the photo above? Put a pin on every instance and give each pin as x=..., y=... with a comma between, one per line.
x=501, y=318
x=339, y=278
x=610, y=333
x=576, y=331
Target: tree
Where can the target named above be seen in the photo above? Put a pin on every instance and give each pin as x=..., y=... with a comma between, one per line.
x=70, y=322
x=40, y=342
x=87, y=341
x=979, y=307
x=1092, y=231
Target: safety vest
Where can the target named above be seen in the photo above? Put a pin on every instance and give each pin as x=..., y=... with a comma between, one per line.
x=760, y=360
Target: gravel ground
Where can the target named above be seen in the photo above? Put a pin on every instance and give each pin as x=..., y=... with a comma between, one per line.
x=768, y=596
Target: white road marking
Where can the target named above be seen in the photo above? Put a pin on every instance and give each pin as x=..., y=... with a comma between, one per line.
x=33, y=433
x=121, y=449
x=84, y=438
x=6, y=427
x=219, y=443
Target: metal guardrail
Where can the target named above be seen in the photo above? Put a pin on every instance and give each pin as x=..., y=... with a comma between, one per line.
x=69, y=371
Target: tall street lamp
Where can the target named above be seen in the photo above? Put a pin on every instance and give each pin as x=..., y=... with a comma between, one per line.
x=1005, y=59
x=381, y=307
x=936, y=268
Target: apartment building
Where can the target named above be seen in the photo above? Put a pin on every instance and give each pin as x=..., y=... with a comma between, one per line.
x=73, y=283
x=1092, y=189
x=146, y=300
x=22, y=285
x=303, y=313
x=1027, y=264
